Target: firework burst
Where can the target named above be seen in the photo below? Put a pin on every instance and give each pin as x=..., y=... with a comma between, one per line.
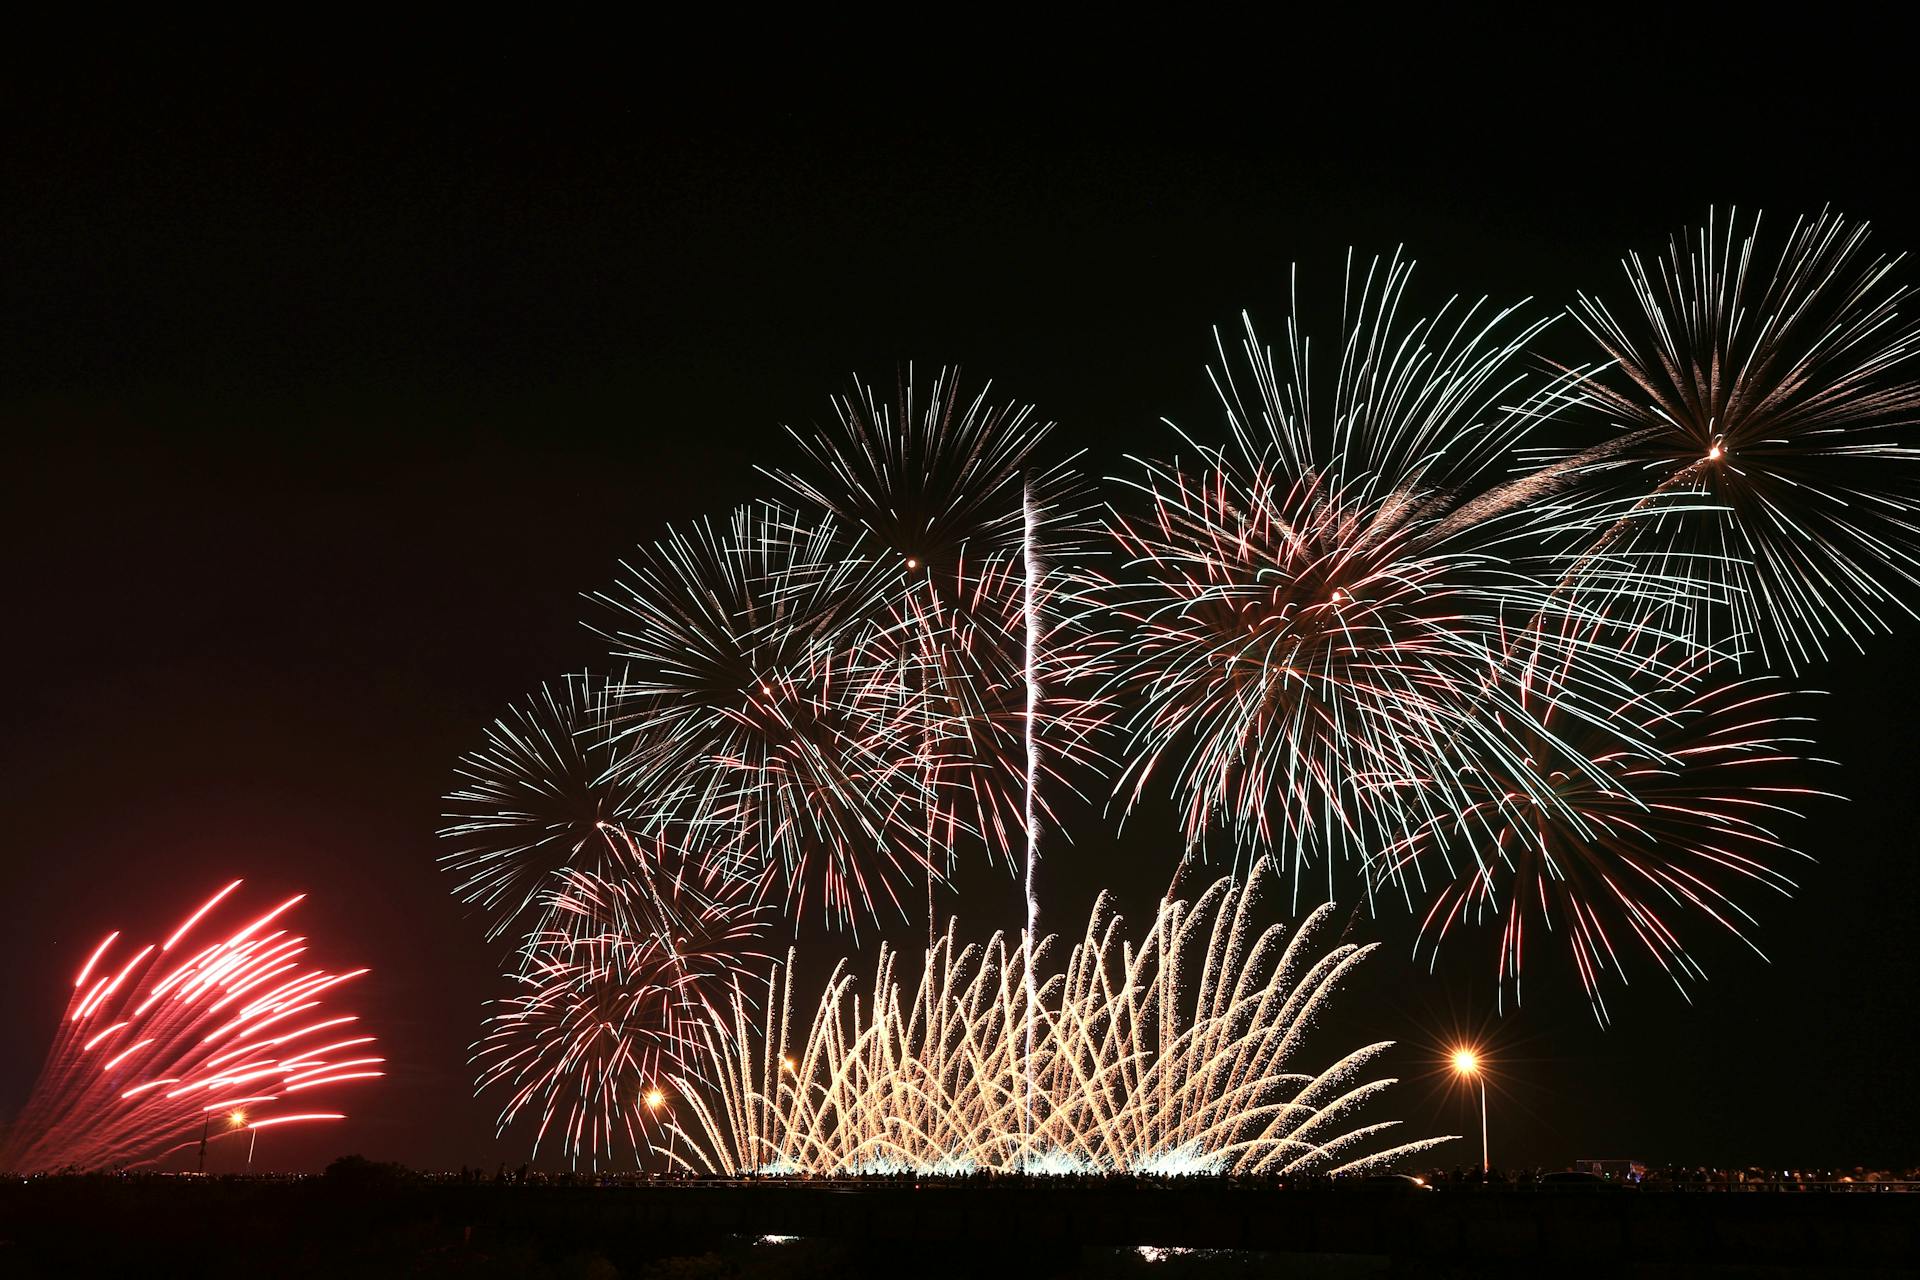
x=542, y=797
x=939, y=482
x=1761, y=398
x=619, y=927
x=1305, y=616
x=603, y=993
x=1351, y=630
x=1121, y=1063
x=766, y=701
x=1652, y=818
x=158, y=1041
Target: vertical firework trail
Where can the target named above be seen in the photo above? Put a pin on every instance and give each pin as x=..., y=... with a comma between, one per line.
x=1031, y=604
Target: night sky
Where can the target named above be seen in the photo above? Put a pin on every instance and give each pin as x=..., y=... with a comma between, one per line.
x=326, y=391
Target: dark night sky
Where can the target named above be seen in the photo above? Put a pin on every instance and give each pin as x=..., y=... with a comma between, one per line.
x=326, y=392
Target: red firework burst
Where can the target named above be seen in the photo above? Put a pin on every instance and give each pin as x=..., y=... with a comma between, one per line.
x=154, y=1045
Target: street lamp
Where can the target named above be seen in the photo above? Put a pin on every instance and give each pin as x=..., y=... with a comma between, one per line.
x=655, y=1098
x=236, y=1119
x=1466, y=1065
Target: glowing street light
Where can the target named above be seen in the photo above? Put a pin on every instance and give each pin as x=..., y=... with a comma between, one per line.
x=1466, y=1065
x=655, y=1098
x=238, y=1120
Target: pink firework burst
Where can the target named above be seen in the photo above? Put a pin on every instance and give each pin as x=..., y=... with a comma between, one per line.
x=159, y=1042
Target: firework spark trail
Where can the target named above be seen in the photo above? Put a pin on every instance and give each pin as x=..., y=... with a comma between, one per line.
x=1030, y=593
x=154, y=1045
x=1135, y=1073
x=1761, y=402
